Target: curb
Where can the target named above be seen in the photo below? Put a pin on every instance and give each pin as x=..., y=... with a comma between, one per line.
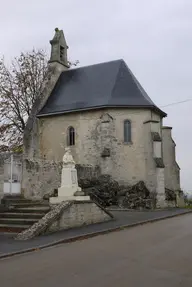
x=90, y=235
x=145, y=210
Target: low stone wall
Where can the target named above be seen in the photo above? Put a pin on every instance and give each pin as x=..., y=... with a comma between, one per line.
x=41, y=226
x=41, y=177
x=171, y=204
x=87, y=171
x=66, y=215
x=180, y=199
x=79, y=214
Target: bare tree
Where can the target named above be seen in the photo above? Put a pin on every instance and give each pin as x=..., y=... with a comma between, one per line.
x=20, y=84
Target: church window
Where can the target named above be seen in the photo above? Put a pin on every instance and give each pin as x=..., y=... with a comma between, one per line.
x=71, y=136
x=127, y=131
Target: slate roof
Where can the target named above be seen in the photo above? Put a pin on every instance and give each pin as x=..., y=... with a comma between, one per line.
x=103, y=85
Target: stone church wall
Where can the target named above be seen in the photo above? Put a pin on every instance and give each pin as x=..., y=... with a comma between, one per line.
x=153, y=149
x=95, y=131
x=172, y=171
x=150, y=168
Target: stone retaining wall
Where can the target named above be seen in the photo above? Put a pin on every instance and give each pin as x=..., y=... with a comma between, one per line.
x=66, y=215
x=171, y=204
x=41, y=176
x=79, y=214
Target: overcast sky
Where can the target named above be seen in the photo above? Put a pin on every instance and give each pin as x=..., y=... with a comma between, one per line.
x=154, y=37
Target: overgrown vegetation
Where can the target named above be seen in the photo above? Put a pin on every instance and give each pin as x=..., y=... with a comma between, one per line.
x=21, y=83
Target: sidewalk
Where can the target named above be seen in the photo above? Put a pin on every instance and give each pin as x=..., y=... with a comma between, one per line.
x=122, y=218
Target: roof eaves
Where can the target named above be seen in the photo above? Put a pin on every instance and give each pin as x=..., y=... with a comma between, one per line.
x=96, y=108
x=155, y=108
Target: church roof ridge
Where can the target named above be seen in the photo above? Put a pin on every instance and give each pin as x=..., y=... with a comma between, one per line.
x=95, y=64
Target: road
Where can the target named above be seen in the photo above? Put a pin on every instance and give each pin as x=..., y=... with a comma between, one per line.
x=156, y=254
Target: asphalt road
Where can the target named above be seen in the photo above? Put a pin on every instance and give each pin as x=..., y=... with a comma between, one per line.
x=152, y=255
x=8, y=244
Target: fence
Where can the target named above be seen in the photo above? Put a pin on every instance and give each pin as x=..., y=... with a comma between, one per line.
x=12, y=174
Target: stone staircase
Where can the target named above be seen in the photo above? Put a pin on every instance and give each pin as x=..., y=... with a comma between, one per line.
x=18, y=213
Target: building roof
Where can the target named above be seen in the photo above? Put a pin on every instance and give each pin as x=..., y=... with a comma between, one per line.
x=103, y=85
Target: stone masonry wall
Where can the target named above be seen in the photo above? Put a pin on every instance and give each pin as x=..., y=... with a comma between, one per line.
x=43, y=176
x=155, y=174
x=150, y=167
x=160, y=188
x=153, y=125
x=31, y=132
x=79, y=214
x=172, y=171
x=65, y=215
x=126, y=163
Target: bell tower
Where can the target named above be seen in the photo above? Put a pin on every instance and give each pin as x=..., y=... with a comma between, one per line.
x=59, y=49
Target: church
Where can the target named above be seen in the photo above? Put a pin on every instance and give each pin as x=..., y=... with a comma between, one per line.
x=106, y=118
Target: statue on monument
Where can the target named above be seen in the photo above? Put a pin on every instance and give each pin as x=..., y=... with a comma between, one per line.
x=68, y=160
x=69, y=189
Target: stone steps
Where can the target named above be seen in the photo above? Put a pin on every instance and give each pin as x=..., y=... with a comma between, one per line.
x=19, y=201
x=21, y=213
x=18, y=221
x=27, y=204
x=12, y=196
x=15, y=200
x=13, y=228
x=32, y=209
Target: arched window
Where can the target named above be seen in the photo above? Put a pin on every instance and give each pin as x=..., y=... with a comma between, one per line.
x=71, y=136
x=127, y=131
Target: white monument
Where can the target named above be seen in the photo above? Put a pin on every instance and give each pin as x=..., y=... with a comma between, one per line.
x=69, y=189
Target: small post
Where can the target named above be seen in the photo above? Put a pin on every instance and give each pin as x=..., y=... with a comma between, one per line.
x=11, y=174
